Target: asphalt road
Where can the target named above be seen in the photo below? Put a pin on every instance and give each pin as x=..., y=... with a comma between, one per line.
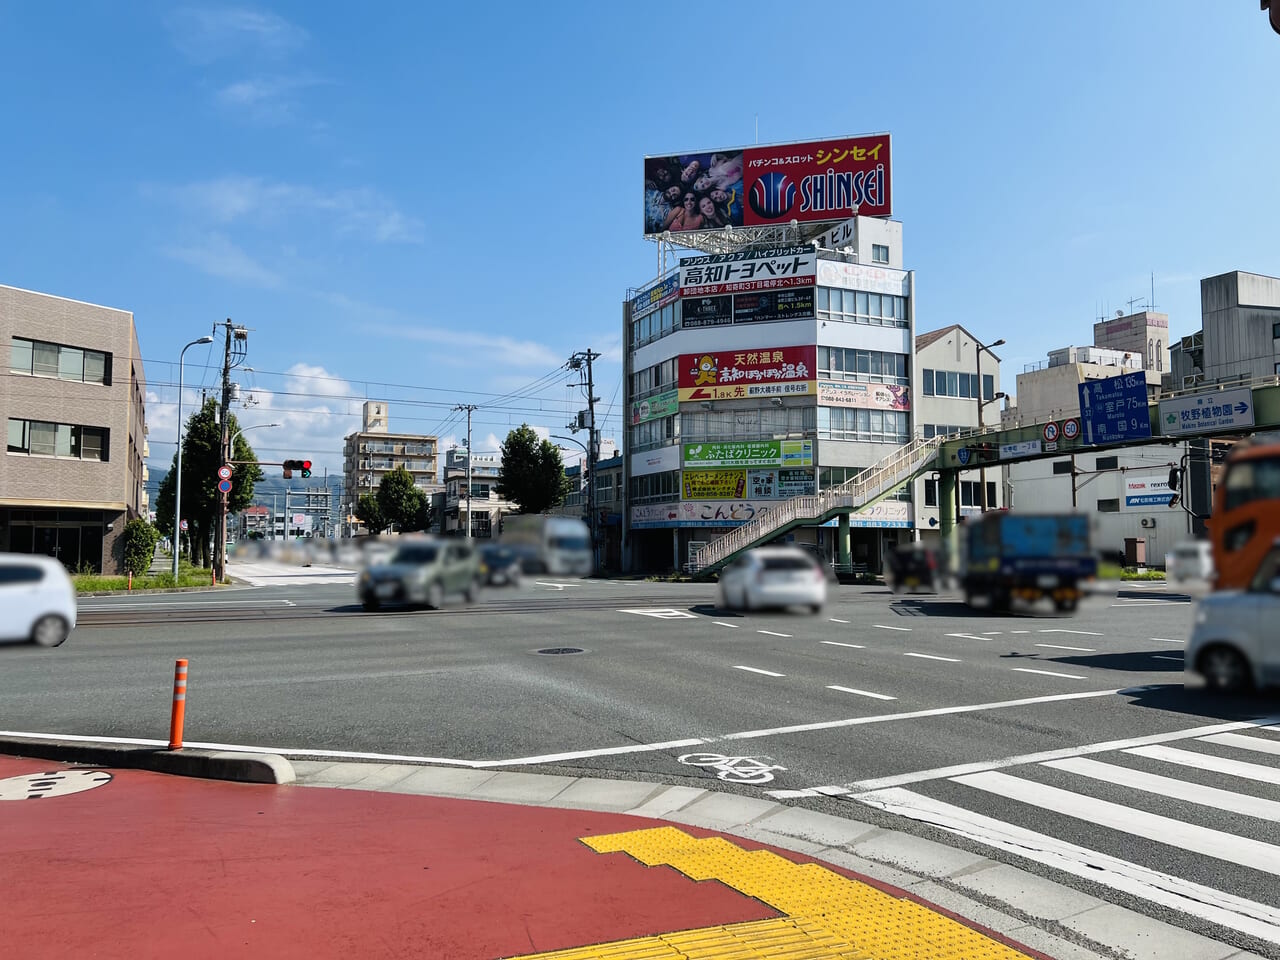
x=866, y=710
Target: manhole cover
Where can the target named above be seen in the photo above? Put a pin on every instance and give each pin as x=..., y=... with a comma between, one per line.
x=551, y=651
x=58, y=783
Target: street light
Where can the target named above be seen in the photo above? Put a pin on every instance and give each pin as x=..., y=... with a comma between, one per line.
x=177, y=483
x=982, y=474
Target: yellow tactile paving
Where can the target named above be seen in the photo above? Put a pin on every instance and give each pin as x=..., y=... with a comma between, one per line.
x=826, y=915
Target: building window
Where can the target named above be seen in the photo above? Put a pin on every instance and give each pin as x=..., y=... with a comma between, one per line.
x=1107, y=463
x=931, y=493
x=873, y=366
x=1109, y=506
x=1151, y=354
x=988, y=386
x=951, y=383
x=876, y=426
x=42, y=439
x=41, y=359
x=1275, y=330
x=1062, y=466
x=879, y=253
x=1159, y=356
x=855, y=306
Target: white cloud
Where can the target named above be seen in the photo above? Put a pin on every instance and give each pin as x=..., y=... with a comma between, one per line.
x=361, y=211
x=204, y=34
x=269, y=100
x=217, y=256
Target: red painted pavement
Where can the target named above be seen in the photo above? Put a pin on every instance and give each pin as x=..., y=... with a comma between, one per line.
x=157, y=866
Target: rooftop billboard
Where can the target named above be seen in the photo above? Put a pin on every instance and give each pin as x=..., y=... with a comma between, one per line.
x=811, y=182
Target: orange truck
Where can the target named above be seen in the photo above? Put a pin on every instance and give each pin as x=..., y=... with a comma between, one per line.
x=1246, y=511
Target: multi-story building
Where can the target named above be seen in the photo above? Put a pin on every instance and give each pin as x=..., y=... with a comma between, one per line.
x=74, y=400
x=610, y=499
x=254, y=523
x=374, y=451
x=957, y=383
x=484, y=506
x=1144, y=335
x=1240, y=334
x=762, y=374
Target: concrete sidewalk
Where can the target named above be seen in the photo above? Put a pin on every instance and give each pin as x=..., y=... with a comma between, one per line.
x=398, y=860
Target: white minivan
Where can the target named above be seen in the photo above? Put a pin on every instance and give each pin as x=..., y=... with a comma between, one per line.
x=37, y=599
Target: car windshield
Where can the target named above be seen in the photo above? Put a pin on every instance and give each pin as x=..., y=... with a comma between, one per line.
x=417, y=554
x=786, y=563
x=570, y=543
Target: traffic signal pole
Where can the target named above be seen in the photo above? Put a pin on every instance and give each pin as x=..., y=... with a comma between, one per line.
x=220, y=548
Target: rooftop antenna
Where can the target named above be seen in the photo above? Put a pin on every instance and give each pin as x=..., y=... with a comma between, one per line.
x=1153, y=290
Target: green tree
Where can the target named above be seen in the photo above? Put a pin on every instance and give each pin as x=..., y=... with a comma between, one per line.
x=140, y=540
x=400, y=502
x=370, y=514
x=532, y=473
x=201, y=457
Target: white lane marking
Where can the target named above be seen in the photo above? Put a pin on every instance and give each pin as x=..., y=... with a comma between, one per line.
x=1083, y=633
x=1235, y=913
x=966, y=636
x=1205, y=761
x=1156, y=656
x=1058, y=646
x=721, y=623
x=837, y=643
x=767, y=673
x=1167, y=640
x=930, y=656
x=862, y=693
x=661, y=613
x=1242, y=851
x=773, y=633
x=837, y=620
x=1019, y=631
x=992, y=633
x=1240, y=803
x=1050, y=673
x=883, y=626
x=1106, y=746
x=554, y=586
x=1143, y=601
x=1241, y=742
x=176, y=606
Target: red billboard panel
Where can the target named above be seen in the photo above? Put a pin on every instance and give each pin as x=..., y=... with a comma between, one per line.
x=742, y=374
x=811, y=182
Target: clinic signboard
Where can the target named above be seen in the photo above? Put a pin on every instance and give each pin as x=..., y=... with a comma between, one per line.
x=814, y=181
x=656, y=407
x=749, y=453
x=744, y=374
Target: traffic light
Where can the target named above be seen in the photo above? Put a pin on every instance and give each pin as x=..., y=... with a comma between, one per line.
x=291, y=465
x=306, y=468
x=1273, y=8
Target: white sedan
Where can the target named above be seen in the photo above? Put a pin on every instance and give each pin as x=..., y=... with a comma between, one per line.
x=773, y=577
x=37, y=599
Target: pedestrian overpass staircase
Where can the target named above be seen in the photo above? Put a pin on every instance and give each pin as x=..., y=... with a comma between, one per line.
x=875, y=483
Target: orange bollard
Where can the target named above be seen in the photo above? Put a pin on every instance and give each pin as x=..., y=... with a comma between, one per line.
x=131, y=581
x=179, y=712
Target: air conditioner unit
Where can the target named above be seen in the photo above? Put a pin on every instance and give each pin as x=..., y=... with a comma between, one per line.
x=1149, y=522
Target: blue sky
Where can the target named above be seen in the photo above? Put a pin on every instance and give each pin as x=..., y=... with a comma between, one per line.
x=442, y=198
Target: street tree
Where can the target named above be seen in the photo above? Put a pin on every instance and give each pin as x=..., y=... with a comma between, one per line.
x=400, y=502
x=369, y=513
x=532, y=473
x=201, y=457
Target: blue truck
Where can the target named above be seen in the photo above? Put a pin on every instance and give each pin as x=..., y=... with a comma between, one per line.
x=1025, y=557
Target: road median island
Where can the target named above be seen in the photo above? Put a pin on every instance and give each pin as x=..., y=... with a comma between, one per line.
x=204, y=764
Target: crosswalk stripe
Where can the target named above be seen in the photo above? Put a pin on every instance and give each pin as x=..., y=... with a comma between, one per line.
x=1205, y=761
x=1245, y=743
x=1188, y=836
x=1170, y=787
x=1232, y=912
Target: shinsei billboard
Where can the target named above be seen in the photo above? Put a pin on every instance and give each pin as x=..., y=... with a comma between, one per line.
x=812, y=182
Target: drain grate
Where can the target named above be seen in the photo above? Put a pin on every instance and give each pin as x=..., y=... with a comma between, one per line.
x=552, y=651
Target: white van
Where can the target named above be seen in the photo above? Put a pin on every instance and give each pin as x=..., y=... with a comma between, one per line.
x=37, y=599
x=1190, y=564
x=560, y=546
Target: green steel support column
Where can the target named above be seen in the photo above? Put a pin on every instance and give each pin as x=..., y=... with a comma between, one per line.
x=842, y=542
x=946, y=511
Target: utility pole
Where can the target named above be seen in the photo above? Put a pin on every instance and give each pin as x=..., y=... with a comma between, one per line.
x=470, y=408
x=233, y=355
x=577, y=362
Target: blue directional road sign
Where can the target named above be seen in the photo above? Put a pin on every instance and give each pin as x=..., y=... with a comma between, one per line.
x=1115, y=410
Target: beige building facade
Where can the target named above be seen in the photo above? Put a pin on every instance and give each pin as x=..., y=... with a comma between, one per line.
x=73, y=401
x=372, y=452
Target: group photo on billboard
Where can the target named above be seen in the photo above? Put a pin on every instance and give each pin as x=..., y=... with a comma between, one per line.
x=810, y=182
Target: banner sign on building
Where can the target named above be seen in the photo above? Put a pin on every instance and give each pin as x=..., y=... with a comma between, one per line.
x=777, y=267
x=656, y=407
x=860, y=276
x=873, y=396
x=706, y=311
x=812, y=182
x=1152, y=491
x=780, y=484
x=696, y=513
x=886, y=514
x=772, y=305
x=750, y=453
x=655, y=297
x=713, y=484
x=1207, y=412
x=740, y=374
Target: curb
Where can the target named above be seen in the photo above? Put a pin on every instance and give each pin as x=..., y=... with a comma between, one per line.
x=205, y=764
x=150, y=590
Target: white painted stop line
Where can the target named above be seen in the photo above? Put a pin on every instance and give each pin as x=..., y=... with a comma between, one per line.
x=56, y=783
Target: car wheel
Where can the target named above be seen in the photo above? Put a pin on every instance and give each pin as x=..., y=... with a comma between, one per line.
x=472, y=593
x=1224, y=669
x=370, y=604
x=49, y=631
x=722, y=599
x=815, y=608
x=435, y=595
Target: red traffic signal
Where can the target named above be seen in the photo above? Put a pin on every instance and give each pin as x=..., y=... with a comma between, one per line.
x=306, y=468
x=292, y=465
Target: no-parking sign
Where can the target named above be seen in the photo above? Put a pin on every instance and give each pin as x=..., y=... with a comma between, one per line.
x=1050, y=432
